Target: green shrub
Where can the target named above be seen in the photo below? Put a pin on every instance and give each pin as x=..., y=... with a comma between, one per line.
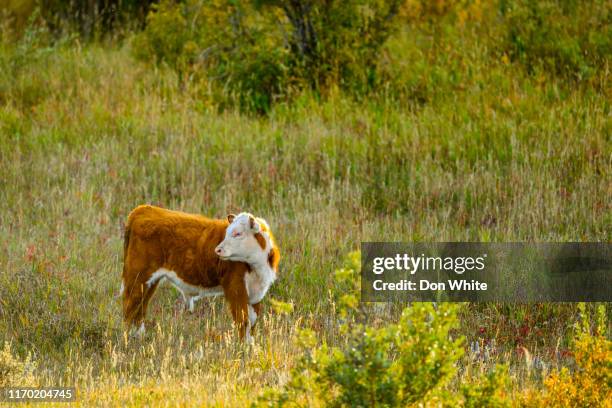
x=256, y=73
x=399, y=364
x=339, y=42
x=254, y=54
x=408, y=363
x=225, y=47
x=395, y=365
x=566, y=37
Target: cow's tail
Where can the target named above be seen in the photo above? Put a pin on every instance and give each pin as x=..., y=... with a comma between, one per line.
x=126, y=244
x=126, y=240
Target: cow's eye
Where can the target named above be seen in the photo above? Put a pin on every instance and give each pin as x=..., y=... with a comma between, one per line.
x=237, y=234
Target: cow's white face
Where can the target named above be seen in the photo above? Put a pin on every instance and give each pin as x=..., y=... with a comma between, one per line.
x=244, y=240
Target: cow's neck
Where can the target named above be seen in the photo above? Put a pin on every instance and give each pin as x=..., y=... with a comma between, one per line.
x=258, y=281
x=263, y=269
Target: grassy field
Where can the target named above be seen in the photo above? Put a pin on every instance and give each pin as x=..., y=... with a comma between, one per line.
x=87, y=133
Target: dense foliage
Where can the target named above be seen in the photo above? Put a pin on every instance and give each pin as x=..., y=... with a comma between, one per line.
x=266, y=51
x=570, y=38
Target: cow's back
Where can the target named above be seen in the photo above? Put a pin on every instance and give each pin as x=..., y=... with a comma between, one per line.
x=176, y=241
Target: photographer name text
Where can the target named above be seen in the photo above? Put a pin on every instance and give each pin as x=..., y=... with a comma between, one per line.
x=414, y=264
x=423, y=284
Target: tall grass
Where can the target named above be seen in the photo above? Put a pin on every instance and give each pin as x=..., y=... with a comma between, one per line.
x=87, y=133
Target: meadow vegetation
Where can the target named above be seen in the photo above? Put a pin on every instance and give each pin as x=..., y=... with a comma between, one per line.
x=452, y=121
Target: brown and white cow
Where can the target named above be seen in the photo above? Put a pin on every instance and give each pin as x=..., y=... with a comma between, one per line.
x=237, y=258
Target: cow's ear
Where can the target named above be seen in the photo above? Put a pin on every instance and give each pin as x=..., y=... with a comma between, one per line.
x=230, y=218
x=254, y=224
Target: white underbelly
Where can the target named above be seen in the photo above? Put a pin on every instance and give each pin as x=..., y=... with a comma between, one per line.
x=185, y=288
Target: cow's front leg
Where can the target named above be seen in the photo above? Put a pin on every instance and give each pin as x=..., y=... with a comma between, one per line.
x=235, y=292
x=254, y=313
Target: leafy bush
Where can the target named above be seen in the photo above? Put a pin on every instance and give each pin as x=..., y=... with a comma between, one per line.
x=255, y=53
x=565, y=37
x=398, y=364
x=225, y=47
x=338, y=42
x=590, y=384
x=394, y=365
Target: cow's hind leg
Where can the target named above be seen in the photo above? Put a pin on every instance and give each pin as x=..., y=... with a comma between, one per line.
x=136, y=297
x=191, y=303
